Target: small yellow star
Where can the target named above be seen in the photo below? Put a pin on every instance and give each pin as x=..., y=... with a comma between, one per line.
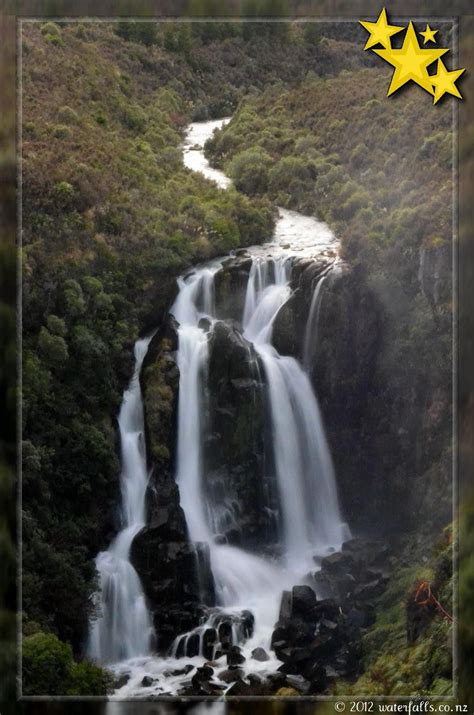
x=444, y=81
x=410, y=62
x=380, y=31
x=428, y=35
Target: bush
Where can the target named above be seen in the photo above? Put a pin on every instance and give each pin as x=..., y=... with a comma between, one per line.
x=287, y=170
x=68, y=115
x=46, y=665
x=249, y=170
x=86, y=678
x=61, y=131
x=49, y=669
x=51, y=29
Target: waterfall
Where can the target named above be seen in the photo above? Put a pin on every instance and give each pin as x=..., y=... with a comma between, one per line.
x=123, y=628
x=305, y=475
x=311, y=330
x=308, y=504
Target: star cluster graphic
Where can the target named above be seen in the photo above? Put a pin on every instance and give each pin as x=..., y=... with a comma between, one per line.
x=411, y=61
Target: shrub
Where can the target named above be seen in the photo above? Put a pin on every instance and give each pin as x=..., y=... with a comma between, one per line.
x=286, y=171
x=249, y=170
x=51, y=29
x=62, y=132
x=46, y=664
x=86, y=678
x=68, y=115
x=101, y=118
x=133, y=117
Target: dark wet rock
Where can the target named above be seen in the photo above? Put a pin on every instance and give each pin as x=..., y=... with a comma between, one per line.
x=147, y=681
x=369, y=591
x=208, y=642
x=188, y=668
x=285, y=605
x=173, y=574
x=260, y=654
x=361, y=617
x=238, y=483
x=299, y=683
x=225, y=634
x=202, y=676
x=230, y=287
x=234, y=656
x=337, y=562
x=317, y=633
x=231, y=675
x=192, y=645
x=240, y=688
x=205, y=324
x=121, y=680
x=303, y=601
x=275, y=681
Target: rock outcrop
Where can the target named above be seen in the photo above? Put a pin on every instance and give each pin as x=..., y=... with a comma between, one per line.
x=238, y=475
x=175, y=573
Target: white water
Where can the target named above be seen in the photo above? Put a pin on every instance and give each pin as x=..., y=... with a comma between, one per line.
x=306, y=480
x=123, y=629
x=310, y=519
x=311, y=330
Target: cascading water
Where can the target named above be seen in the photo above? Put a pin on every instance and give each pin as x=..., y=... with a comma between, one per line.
x=306, y=481
x=309, y=518
x=311, y=331
x=123, y=628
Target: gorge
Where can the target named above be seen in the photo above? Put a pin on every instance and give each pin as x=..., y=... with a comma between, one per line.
x=186, y=508
x=239, y=575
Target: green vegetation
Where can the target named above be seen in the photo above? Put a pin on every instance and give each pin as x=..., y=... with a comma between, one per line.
x=379, y=171
x=49, y=669
x=110, y=217
x=394, y=664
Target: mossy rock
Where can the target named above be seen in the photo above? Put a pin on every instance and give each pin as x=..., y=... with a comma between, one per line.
x=287, y=693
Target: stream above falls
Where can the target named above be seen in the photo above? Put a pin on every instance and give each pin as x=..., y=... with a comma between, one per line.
x=310, y=525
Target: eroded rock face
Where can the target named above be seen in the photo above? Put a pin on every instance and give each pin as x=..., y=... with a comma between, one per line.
x=176, y=574
x=346, y=343
x=230, y=287
x=238, y=479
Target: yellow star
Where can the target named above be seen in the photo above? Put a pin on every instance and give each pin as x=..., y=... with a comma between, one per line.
x=444, y=81
x=428, y=35
x=380, y=31
x=410, y=62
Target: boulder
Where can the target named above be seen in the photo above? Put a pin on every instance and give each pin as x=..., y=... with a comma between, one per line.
x=234, y=656
x=285, y=605
x=260, y=654
x=231, y=675
x=303, y=601
x=299, y=683
x=240, y=488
